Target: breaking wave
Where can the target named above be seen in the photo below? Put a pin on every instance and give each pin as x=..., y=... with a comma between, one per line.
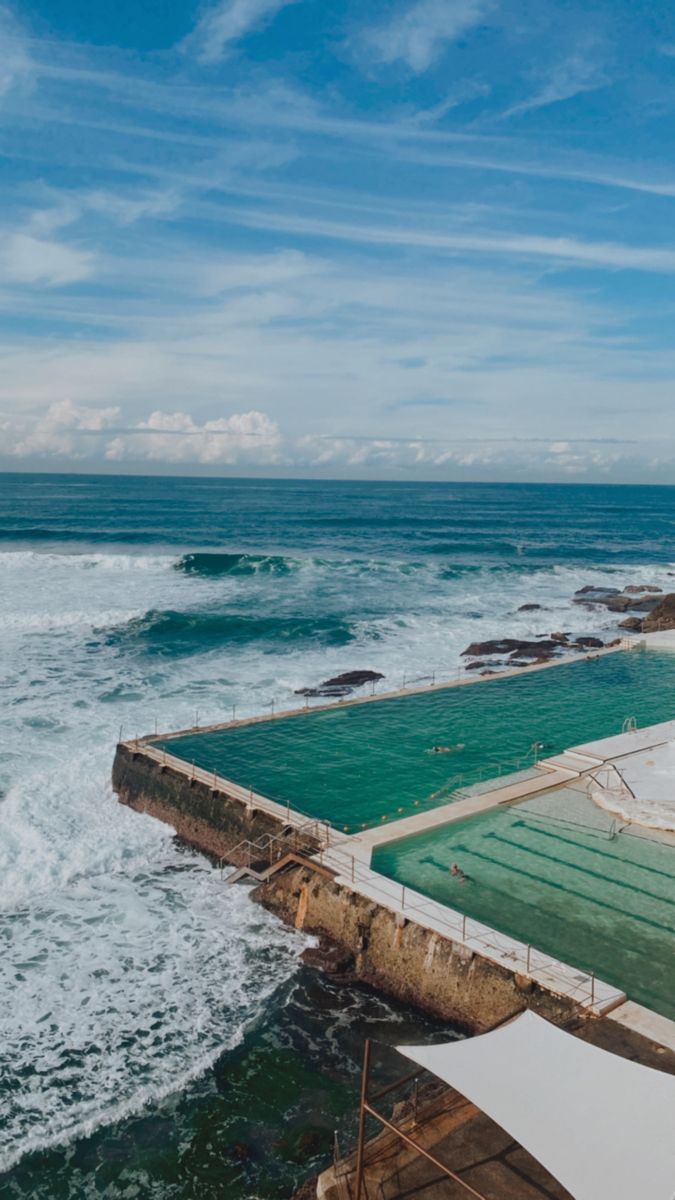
x=235, y=564
x=172, y=632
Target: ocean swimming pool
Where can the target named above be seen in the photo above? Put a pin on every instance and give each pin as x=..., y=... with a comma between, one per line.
x=357, y=765
x=555, y=872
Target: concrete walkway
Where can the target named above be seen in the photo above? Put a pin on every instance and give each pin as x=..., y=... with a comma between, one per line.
x=363, y=844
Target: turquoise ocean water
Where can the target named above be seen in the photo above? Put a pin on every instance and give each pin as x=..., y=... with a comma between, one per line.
x=160, y=1038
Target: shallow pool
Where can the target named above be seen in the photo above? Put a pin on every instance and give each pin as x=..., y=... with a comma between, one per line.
x=554, y=871
x=359, y=764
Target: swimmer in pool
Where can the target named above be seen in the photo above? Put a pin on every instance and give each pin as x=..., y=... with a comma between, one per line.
x=459, y=873
x=446, y=749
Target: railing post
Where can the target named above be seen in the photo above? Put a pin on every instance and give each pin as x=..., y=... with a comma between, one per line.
x=352, y=868
x=464, y=927
x=529, y=956
x=362, y=1118
x=592, y=989
x=403, y=896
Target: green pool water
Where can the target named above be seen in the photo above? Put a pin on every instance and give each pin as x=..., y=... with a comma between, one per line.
x=356, y=765
x=553, y=871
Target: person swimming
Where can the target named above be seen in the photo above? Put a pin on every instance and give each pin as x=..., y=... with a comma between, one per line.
x=446, y=749
x=459, y=874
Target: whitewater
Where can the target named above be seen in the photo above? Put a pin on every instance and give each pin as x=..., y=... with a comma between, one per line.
x=128, y=967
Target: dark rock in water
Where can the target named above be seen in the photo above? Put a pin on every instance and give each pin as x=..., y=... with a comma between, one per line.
x=600, y=591
x=632, y=623
x=616, y=603
x=529, y=607
x=511, y=646
x=561, y=638
x=481, y=664
x=341, y=685
x=661, y=617
x=645, y=603
x=589, y=642
x=329, y=958
x=240, y=1151
x=635, y=589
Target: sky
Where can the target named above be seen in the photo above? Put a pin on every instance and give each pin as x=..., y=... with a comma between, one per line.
x=420, y=239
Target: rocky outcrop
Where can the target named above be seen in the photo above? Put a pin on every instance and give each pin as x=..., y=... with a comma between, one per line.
x=530, y=608
x=543, y=648
x=341, y=685
x=662, y=616
x=589, y=643
x=634, y=624
x=637, y=589
x=632, y=597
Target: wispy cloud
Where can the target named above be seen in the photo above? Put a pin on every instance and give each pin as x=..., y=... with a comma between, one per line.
x=577, y=74
x=571, y=250
x=25, y=259
x=16, y=66
x=227, y=22
x=418, y=35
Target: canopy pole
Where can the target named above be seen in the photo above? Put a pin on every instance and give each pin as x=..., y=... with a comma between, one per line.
x=362, y=1118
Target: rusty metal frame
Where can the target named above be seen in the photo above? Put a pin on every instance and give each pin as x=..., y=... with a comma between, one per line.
x=366, y=1109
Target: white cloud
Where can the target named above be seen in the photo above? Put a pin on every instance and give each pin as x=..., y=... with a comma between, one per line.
x=418, y=35
x=572, y=77
x=227, y=22
x=177, y=438
x=57, y=432
x=25, y=259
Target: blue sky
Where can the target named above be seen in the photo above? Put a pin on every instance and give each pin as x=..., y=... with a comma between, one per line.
x=426, y=239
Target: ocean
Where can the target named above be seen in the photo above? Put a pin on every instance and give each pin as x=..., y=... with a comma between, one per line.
x=160, y=1036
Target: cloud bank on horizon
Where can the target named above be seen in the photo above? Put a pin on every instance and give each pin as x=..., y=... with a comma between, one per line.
x=426, y=238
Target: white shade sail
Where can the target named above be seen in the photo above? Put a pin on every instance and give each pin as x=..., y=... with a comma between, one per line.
x=602, y=1125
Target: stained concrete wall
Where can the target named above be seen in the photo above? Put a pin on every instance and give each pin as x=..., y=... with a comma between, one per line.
x=208, y=819
x=404, y=959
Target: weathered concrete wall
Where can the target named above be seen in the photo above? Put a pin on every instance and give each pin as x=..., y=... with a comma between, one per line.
x=209, y=820
x=405, y=960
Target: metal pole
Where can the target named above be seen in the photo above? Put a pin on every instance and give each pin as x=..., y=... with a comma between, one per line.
x=362, y=1118
x=529, y=952
x=403, y=897
x=593, y=988
x=420, y=1150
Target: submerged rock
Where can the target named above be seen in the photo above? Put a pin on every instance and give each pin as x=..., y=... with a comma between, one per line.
x=529, y=608
x=636, y=589
x=341, y=685
x=593, y=589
